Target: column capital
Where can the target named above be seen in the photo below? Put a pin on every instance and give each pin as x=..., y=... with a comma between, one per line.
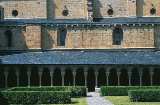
x=51, y=68
x=96, y=73
x=85, y=68
x=140, y=70
x=107, y=74
x=40, y=69
x=17, y=72
x=151, y=68
x=29, y=68
x=107, y=68
x=62, y=68
x=118, y=71
x=73, y=68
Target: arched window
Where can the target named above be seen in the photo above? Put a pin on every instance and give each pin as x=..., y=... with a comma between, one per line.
x=8, y=35
x=117, y=36
x=61, y=37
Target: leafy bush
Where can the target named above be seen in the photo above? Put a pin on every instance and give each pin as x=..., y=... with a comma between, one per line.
x=76, y=91
x=35, y=97
x=121, y=90
x=147, y=95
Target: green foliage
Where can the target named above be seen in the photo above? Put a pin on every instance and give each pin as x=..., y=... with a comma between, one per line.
x=121, y=90
x=145, y=95
x=76, y=91
x=35, y=97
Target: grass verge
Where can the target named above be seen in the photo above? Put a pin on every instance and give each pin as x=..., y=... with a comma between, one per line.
x=124, y=100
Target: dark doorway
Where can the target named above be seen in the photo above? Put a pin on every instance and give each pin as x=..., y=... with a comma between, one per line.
x=12, y=78
x=156, y=80
x=34, y=77
x=124, y=78
x=23, y=78
x=146, y=78
x=91, y=80
x=135, y=77
x=68, y=78
x=113, y=79
x=46, y=77
x=57, y=78
x=2, y=78
x=80, y=81
x=101, y=78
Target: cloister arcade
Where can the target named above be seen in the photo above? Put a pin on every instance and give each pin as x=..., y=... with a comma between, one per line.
x=79, y=75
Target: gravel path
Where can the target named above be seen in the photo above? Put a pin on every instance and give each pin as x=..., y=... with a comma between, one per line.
x=95, y=99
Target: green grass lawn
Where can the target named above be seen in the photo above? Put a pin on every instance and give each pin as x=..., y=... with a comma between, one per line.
x=124, y=100
x=75, y=101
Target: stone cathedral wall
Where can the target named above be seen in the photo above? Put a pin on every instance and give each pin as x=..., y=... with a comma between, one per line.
x=144, y=7
x=80, y=37
x=121, y=8
x=99, y=37
x=25, y=8
x=75, y=8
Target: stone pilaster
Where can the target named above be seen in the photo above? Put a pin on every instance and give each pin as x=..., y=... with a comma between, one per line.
x=51, y=72
x=6, y=73
x=129, y=72
x=29, y=75
x=140, y=75
x=118, y=75
x=40, y=71
x=62, y=74
x=107, y=69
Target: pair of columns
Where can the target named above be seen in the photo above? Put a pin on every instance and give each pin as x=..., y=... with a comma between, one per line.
x=6, y=73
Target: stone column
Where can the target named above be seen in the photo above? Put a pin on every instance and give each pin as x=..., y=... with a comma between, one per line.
x=51, y=71
x=6, y=76
x=85, y=74
x=118, y=75
x=96, y=75
x=17, y=74
x=140, y=76
x=151, y=73
x=29, y=75
x=129, y=75
x=62, y=74
x=74, y=70
x=40, y=71
x=107, y=75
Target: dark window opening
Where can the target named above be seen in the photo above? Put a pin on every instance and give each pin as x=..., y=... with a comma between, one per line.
x=65, y=12
x=117, y=36
x=153, y=11
x=62, y=37
x=15, y=13
x=8, y=35
x=110, y=12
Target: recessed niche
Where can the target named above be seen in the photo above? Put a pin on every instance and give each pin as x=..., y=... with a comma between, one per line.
x=65, y=12
x=153, y=11
x=110, y=12
x=15, y=13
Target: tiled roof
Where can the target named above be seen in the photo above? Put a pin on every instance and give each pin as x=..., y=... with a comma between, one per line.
x=84, y=21
x=83, y=57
